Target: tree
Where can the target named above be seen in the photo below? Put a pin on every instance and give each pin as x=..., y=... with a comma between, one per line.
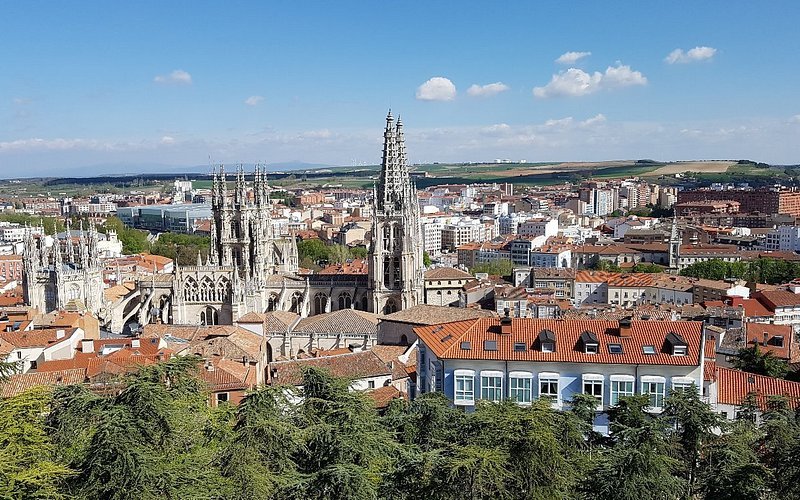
x=606, y=265
x=694, y=424
x=754, y=360
x=501, y=267
x=426, y=259
x=730, y=467
x=313, y=249
x=646, y=267
x=28, y=464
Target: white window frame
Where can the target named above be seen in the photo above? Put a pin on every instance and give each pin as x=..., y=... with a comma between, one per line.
x=680, y=350
x=550, y=377
x=487, y=375
x=464, y=397
x=651, y=379
x=526, y=390
x=595, y=379
x=616, y=393
x=682, y=383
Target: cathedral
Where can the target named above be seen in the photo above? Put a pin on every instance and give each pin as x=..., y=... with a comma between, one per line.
x=251, y=269
x=63, y=272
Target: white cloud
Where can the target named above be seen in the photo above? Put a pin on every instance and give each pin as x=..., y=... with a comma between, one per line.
x=487, y=90
x=496, y=129
x=794, y=119
x=317, y=134
x=692, y=55
x=576, y=82
x=177, y=77
x=598, y=118
x=167, y=140
x=254, y=100
x=437, y=88
x=561, y=122
x=572, y=57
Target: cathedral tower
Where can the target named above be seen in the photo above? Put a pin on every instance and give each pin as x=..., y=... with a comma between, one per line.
x=395, y=253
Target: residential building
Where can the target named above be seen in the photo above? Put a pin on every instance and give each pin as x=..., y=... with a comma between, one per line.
x=444, y=284
x=526, y=359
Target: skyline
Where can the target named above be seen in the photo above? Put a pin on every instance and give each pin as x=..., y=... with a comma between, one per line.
x=89, y=84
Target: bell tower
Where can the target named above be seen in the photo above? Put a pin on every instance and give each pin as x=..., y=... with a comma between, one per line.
x=395, y=253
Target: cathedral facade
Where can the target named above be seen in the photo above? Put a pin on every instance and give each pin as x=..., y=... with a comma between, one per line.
x=63, y=272
x=251, y=269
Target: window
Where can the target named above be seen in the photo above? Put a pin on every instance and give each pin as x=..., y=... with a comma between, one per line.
x=520, y=346
x=370, y=384
x=548, y=386
x=591, y=348
x=520, y=387
x=615, y=348
x=464, y=393
x=593, y=385
x=222, y=397
x=466, y=346
x=679, y=350
x=548, y=346
x=621, y=386
x=654, y=387
x=491, y=385
x=649, y=349
x=681, y=384
x=489, y=345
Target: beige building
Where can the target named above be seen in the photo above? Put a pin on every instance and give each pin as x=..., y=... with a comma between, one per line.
x=444, y=284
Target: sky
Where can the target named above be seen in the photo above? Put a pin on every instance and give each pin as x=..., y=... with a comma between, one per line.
x=108, y=87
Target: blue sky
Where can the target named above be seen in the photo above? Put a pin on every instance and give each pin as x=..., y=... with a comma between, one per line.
x=101, y=87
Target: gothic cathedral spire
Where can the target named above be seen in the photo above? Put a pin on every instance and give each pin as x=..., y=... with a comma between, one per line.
x=396, y=269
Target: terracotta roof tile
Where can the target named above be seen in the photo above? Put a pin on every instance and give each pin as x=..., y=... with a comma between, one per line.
x=779, y=298
x=446, y=341
x=21, y=382
x=36, y=338
x=756, y=333
x=354, y=365
x=340, y=322
x=447, y=273
x=424, y=314
x=734, y=385
x=382, y=396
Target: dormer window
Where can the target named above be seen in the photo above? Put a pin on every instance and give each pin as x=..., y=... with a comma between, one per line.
x=676, y=344
x=615, y=348
x=547, y=341
x=589, y=342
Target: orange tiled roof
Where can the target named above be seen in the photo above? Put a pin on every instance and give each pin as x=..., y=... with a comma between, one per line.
x=21, y=382
x=382, y=396
x=354, y=365
x=757, y=331
x=780, y=298
x=445, y=341
x=594, y=276
x=356, y=266
x=734, y=385
x=36, y=338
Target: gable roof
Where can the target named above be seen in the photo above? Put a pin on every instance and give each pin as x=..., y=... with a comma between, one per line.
x=734, y=385
x=445, y=341
x=424, y=314
x=37, y=338
x=447, y=273
x=21, y=382
x=355, y=365
x=340, y=322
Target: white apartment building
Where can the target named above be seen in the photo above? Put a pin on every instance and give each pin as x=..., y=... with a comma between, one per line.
x=526, y=359
x=464, y=231
x=538, y=227
x=13, y=233
x=551, y=257
x=432, y=236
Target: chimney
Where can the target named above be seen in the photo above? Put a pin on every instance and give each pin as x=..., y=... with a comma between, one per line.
x=766, y=338
x=625, y=326
x=135, y=343
x=87, y=345
x=60, y=334
x=209, y=365
x=355, y=348
x=506, y=323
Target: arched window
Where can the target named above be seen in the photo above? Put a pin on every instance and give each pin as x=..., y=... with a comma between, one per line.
x=272, y=302
x=390, y=307
x=387, y=271
x=191, y=290
x=208, y=316
x=297, y=302
x=403, y=339
x=207, y=290
x=74, y=292
x=396, y=275
x=320, y=303
x=345, y=300
x=223, y=289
